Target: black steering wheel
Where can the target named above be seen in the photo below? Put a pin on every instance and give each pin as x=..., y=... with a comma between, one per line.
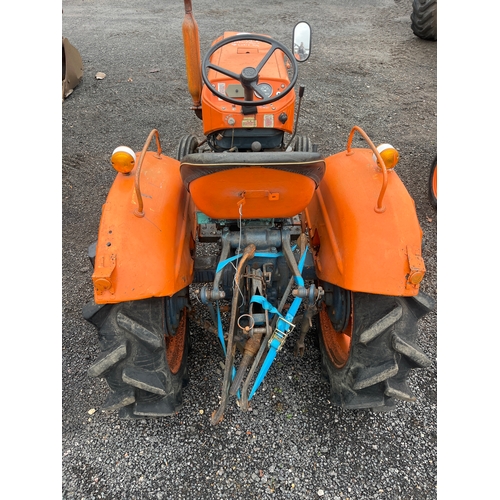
x=249, y=77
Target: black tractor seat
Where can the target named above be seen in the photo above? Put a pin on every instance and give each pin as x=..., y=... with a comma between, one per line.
x=196, y=165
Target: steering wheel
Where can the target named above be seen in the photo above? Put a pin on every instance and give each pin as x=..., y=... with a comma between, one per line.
x=249, y=76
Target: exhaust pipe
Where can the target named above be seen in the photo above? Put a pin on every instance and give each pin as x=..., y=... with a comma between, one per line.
x=192, y=55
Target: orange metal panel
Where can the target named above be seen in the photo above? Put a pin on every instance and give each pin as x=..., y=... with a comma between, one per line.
x=358, y=247
x=252, y=193
x=149, y=256
x=217, y=112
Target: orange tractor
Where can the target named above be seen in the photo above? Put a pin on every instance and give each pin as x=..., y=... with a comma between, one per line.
x=300, y=238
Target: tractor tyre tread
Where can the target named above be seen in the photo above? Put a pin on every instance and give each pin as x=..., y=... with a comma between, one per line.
x=375, y=374
x=133, y=358
x=424, y=19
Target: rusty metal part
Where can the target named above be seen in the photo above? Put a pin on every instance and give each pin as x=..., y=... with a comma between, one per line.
x=139, y=210
x=248, y=253
x=263, y=347
x=226, y=248
x=302, y=242
x=251, y=322
x=267, y=272
x=287, y=252
x=305, y=326
x=207, y=295
x=255, y=364
x=174, y=344
x=251, y=348
x=257, y=282
x=379, y=208
x=259, y=330
x=204, y=324
x=312, y=293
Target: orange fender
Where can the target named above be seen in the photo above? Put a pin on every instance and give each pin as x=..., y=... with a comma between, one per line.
x=151, y=255
x=357, y=244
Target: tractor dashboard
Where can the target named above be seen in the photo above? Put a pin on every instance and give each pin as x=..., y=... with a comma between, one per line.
x=262, y=106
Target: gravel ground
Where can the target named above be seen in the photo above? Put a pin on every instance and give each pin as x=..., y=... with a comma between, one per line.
x=367, y=69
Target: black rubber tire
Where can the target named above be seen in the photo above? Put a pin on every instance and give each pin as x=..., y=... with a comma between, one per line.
x=302, y=143
x=433, y=192
x=187, y=145
x=134, y=361
x=383, y=350
x=424, y=19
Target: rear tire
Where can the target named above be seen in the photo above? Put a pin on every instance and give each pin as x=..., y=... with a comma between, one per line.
x=424, y=19
x=144, y=365
x=367, y=364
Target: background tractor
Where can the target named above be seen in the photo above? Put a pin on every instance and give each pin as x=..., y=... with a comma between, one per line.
x=424, y=19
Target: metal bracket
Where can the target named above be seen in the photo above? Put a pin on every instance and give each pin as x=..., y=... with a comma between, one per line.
x=280, y=335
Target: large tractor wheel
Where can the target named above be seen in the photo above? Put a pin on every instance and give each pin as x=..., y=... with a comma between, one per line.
x=368, y=347
x=424, y=19
x=144, y=354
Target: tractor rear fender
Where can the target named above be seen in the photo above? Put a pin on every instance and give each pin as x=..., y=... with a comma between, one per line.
x=149, y=252
x=358, y=243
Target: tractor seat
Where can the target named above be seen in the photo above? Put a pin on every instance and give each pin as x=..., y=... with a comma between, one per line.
x=252, y=185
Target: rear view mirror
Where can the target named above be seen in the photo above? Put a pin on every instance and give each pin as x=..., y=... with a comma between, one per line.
x=302, y=41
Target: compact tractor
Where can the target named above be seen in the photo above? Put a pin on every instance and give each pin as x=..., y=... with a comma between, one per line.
x=297, y=241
